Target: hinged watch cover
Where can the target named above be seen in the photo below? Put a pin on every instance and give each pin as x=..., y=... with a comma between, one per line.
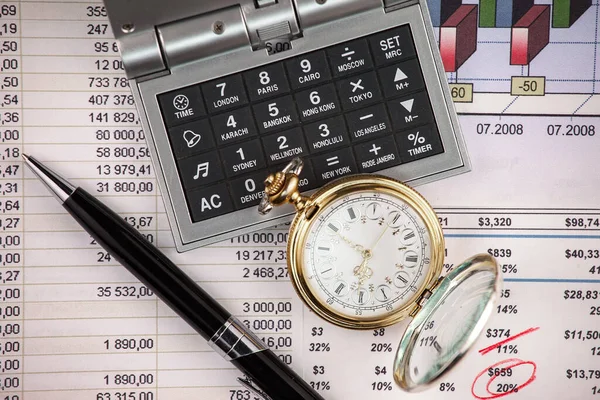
x=448, y=324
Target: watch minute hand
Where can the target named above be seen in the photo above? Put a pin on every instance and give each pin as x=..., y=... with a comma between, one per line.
x=379, y=238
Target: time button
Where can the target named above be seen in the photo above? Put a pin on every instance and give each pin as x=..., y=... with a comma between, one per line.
x=181, y=105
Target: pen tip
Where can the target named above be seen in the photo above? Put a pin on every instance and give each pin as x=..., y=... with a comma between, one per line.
x=60, y=187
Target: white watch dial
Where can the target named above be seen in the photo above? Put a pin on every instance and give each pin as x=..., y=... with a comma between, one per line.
x=366, y=255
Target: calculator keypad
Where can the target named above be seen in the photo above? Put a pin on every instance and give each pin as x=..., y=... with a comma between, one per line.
x=359, y=106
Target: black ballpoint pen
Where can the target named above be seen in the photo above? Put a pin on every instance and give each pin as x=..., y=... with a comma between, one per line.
x=266, y=375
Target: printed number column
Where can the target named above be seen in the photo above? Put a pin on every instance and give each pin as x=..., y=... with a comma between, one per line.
x=248, y=276
x=90, y=325
x=11, y=203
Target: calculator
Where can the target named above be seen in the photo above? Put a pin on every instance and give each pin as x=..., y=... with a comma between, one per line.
x=229, y=91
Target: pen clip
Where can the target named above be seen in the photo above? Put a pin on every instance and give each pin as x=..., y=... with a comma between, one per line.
x=248, y=384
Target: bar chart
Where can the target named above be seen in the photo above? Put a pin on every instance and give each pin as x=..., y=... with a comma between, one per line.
x=513, y=57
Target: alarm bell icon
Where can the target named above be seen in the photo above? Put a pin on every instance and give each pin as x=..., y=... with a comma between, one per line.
x=191, y=138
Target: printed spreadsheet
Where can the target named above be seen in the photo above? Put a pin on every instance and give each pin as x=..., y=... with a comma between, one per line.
x=74, y=324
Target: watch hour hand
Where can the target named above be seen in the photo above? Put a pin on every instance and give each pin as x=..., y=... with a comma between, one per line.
x=354, y=246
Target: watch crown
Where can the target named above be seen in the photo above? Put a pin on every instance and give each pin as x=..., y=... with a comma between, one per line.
x=282, y=187
x=274, y=183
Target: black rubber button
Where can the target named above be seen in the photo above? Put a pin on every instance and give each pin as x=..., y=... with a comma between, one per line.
x=377, y=154
x=224, y=93
x=267, y=81
x=209, y=202
x=180, y=106
x=308, y=70
x=392, y=45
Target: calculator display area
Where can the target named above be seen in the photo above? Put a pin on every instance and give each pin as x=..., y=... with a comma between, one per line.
x=361, y=105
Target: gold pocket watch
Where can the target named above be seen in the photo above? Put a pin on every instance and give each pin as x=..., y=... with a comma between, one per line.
x=366, y=251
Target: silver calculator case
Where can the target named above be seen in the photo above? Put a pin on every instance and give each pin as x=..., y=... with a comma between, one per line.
x=167, y=45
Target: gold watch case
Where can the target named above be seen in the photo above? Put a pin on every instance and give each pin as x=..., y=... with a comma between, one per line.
x=450, y=311
x=282, y=187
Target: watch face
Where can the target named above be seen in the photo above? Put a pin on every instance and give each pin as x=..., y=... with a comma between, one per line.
x=367, y=255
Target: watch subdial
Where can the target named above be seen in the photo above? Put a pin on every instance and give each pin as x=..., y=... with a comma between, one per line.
x=410, y=259
x=394, y=219
x=340, y=288
x=360, y=296
x=401, y=279
x=326, y=271
x=373, y=210
x=383, y=293
x=324, y=248
x=408, y=237
x=334, y=227
x=352, y=214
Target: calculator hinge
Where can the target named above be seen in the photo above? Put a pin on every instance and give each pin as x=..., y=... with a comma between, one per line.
x=202, y=36
x=213, y=34
x=312, y=13
x=141, y=54
x=391, y=5
x=270, y=21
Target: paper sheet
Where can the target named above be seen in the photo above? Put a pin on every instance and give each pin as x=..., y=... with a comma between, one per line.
x=76, y=325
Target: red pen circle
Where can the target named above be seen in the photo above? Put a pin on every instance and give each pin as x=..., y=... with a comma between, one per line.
x=512, y=363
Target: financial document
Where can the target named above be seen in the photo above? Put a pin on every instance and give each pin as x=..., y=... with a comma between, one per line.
x=75, y=325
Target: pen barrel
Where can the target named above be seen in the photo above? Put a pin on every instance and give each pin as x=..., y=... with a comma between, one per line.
x=147, y=263
x=265, y=370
